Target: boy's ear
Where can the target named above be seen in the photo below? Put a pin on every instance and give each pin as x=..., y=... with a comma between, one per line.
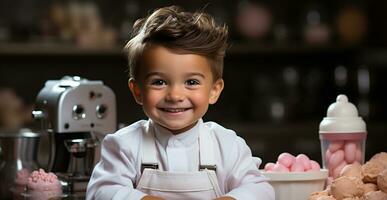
x=135, y=89
x=216, y=90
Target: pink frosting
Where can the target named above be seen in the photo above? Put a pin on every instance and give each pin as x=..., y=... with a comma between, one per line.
x=20, y=183
x=43, y=184
x=22, y=177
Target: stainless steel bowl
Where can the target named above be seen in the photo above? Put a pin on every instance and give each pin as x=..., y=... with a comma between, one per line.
x=18, y=152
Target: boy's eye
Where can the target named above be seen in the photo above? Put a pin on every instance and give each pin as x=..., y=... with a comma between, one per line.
x=192, y=82
x=158, y=82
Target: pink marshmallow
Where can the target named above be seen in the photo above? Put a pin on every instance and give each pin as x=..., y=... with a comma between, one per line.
x=280, y=168
x=328, y=155
x=297, y=167
x=329, y=181
x=336, y=159
x=302, y=158
x=269, y=166
x=315, y=166
x=337, y=170
x=359, y=155
x=286, y=159
x=301, y=163
x=350, y=152
x=335, y=145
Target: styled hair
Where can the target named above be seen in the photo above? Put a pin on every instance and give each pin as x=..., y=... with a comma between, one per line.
x=184, y=32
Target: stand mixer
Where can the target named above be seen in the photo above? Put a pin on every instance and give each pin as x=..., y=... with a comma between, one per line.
x=76, y=114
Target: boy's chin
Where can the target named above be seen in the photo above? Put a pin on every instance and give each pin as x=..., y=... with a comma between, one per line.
x=178, y=128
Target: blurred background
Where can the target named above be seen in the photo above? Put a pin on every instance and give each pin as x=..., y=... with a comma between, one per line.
x=287, y=62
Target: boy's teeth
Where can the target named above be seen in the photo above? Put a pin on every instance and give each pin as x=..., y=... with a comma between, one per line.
x=174, y=109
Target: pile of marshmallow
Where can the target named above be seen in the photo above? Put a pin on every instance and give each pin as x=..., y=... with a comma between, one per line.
x=358, y=182
x=340, y=154
x=287, y=162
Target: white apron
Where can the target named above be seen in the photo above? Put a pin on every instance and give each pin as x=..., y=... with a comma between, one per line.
x=201, y=184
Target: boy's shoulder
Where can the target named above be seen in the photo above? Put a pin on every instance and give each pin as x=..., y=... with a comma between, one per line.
x=220, y=132
x=225, y=138
x=132, y=130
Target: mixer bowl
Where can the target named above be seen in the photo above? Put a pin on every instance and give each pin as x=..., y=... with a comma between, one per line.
x=18, y=154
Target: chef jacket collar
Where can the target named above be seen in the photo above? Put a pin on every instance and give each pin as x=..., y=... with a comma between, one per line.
x=187, y=138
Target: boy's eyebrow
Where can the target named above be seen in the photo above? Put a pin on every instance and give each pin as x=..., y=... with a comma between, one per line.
x=161, y=74
x=153, y=74
x=196, y=74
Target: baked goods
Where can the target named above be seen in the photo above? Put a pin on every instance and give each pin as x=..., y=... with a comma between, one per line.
x=353, y=170
x=371, y=170
x=381, y=157
x=376, y=195
x=382, y=181
x=318, y=195
x=370, y=187
x=326, y=198
x=356, y=182
x=347, y=187
x=353, y=198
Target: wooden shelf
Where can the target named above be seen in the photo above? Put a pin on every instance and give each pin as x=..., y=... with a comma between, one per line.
x=290, y=52
x=254, y=48
x=236, y=48
x=39, y=49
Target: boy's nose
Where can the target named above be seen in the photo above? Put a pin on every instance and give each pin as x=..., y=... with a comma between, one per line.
x=175, y=94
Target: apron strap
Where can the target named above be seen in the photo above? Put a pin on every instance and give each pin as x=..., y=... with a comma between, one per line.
x=206, y=149
x=148, y=158
x=214, y=182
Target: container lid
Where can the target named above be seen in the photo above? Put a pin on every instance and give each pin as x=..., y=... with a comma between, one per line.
x=342, y=117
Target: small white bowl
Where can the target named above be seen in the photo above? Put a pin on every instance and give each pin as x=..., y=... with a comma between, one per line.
x=296, y=185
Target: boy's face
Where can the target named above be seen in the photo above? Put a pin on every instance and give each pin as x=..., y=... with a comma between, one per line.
x=175, y=89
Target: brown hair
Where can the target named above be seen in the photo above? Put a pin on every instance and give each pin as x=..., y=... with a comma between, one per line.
x=181, y=31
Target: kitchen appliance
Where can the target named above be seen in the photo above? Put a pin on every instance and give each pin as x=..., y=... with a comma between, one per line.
x=76, y=113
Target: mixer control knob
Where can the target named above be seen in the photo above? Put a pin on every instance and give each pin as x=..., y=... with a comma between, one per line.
x=37, y=114
x=101, y=111
x=78, y=112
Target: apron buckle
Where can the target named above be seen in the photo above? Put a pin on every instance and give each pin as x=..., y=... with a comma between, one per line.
x=149, y=165
x=208, y=167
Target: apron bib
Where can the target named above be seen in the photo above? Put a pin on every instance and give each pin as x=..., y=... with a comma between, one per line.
x=202, y=184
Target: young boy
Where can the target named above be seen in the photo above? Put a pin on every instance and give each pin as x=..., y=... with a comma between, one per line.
x=176, y=62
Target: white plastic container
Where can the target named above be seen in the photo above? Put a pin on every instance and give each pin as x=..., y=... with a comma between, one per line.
x=342, y=136
x=296, y=185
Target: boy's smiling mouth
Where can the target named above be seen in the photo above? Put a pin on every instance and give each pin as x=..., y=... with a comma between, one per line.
x=174, y=110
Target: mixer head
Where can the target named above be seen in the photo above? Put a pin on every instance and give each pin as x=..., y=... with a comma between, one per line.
x=73, y=104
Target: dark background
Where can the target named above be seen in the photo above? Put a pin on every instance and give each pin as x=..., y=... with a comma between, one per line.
x=278, y=84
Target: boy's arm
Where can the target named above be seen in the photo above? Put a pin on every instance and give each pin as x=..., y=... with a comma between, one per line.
x=244, y=180
x=113, y=177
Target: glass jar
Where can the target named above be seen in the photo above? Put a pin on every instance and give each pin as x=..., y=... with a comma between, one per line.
x=342, y=136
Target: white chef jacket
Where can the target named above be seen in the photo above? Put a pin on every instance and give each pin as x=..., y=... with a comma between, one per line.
x=119, y=170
